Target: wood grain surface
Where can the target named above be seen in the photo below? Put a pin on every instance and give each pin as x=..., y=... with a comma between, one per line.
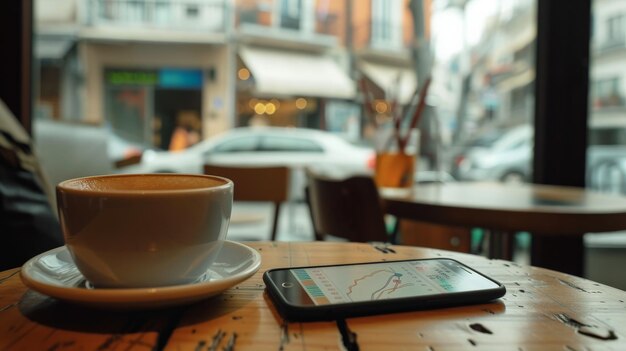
x=556, y=216
x=542, y=310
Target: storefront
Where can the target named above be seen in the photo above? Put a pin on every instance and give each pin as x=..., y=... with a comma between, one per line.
x=392, y=82
x=281, y=87
x=143, y=91
x=155, y=107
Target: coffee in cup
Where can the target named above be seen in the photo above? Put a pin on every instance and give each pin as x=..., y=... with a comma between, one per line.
x=144, y=230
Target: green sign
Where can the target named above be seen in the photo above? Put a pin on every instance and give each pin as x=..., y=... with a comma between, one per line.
x=132, y=78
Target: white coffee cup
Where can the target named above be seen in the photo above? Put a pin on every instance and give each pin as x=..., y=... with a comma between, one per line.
x=144, y=230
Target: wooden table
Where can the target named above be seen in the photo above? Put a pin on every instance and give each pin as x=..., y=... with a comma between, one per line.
x=556, y=216
x=542, y=310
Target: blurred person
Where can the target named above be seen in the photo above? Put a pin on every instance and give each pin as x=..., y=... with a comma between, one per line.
x=28, y=226
x=187, y=131
x=180, y=138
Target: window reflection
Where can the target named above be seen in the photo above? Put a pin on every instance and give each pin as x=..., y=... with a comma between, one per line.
x=606, y=152
x=165, y=75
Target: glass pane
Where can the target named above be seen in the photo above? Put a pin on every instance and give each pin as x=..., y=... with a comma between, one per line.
x=484, y=88
x=606, y=151
x=606, y=142
x=154, y=77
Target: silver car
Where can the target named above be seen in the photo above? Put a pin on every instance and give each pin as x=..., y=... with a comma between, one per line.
x=506, y=158
x=266, y=146
x=509, y=157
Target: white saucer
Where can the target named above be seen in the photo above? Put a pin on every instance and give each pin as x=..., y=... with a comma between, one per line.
x=53, y=273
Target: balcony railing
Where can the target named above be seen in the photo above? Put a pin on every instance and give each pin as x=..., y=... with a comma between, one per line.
x=207, y=15
x=259, y=16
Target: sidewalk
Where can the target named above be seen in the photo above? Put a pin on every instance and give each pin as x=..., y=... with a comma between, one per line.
x=294, y=222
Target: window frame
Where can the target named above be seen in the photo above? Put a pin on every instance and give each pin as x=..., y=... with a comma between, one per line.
x=561, y=117
x=16, y=36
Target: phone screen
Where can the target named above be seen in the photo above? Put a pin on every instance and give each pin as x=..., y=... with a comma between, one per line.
x=380, y=281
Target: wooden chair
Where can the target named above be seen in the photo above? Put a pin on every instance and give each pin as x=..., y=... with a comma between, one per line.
x=348, y=208
x=267, y=184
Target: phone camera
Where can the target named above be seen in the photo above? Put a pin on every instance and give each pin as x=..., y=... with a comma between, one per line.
x=287, y=285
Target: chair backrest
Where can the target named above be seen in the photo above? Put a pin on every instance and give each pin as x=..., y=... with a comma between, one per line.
x=269, y=184
x=348, y=208
x=255, y=183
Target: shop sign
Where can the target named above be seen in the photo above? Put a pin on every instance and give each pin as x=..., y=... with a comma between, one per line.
x=162, y=78
x=180, y=78
x=132, y=77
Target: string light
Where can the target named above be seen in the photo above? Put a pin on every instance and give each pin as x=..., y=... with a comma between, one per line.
x=381, y=107
x=243, y=74
x=270, y=108
x=301, y=103
x=259, y=108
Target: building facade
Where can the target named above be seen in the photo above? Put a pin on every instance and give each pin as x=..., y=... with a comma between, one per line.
x=608, y=72
x=145, y=68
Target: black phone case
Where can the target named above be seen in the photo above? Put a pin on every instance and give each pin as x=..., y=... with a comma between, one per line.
x=298, y=313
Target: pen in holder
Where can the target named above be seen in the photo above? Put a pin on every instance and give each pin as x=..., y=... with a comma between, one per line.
x=397, y=142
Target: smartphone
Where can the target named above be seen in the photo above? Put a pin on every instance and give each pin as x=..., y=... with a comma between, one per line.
x=350, y=290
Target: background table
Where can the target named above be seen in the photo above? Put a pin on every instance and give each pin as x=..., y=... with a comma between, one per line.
x=542, y=309
x=557, y=217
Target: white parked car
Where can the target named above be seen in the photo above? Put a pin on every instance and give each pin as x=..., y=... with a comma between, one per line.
x=265, y=146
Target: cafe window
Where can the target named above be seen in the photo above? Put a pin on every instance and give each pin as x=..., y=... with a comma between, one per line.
x=473, y=42
x=483, y=85
x=483, y=68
